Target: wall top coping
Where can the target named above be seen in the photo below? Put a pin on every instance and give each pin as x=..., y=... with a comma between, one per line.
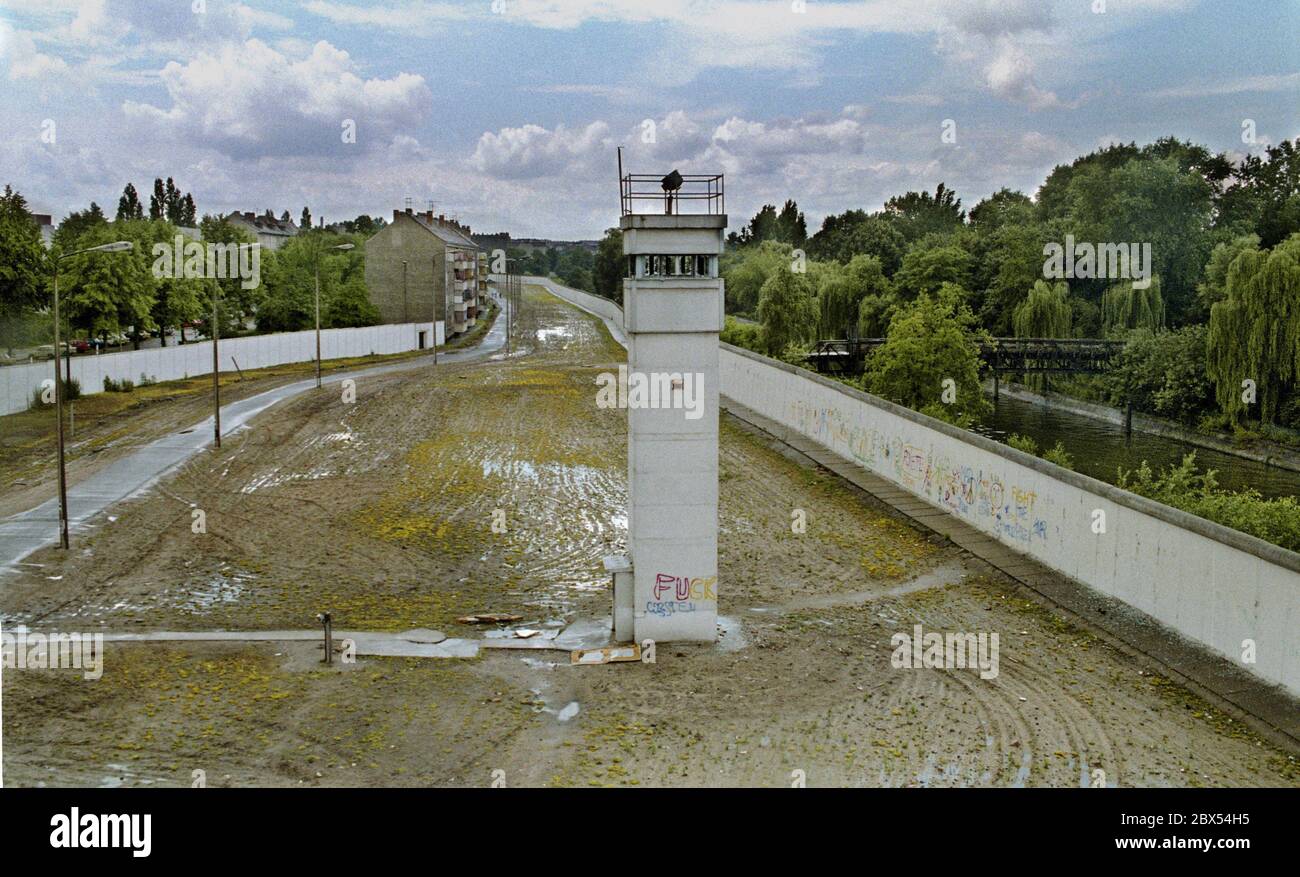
x=1209, y=529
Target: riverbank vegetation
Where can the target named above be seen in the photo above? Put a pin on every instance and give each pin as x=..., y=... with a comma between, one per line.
x=1208, y=303
x=1210, y=299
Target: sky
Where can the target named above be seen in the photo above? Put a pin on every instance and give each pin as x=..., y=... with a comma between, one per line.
x=507, y=113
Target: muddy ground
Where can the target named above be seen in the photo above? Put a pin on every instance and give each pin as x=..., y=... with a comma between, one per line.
x=381, y=511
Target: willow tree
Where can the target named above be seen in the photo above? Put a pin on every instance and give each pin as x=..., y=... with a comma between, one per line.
x=1045, y=312
x=1125, y=306
x=1255, y=332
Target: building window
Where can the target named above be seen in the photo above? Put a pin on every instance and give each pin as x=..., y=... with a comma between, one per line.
x=672, y=266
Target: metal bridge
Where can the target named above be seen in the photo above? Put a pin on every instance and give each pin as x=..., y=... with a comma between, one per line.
x=847, y=356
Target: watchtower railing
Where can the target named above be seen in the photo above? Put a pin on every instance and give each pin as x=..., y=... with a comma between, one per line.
x=706, y=191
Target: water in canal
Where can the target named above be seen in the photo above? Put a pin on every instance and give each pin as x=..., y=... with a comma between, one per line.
x=1099, y=448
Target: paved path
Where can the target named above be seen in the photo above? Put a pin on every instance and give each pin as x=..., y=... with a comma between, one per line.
x=25, y=532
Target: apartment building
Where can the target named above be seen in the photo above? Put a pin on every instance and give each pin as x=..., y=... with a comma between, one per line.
x=270, y=232
x=425, y=268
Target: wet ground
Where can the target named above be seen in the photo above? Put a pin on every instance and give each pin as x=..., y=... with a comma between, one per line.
x=499, y=486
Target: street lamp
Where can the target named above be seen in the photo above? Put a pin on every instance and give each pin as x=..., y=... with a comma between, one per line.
x=115, y=247
x=336, y=247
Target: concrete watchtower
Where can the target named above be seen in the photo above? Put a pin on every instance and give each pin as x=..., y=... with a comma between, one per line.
x=672, y=313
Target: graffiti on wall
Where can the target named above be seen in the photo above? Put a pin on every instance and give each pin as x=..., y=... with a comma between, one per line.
x=982, y=497
x=674, y=595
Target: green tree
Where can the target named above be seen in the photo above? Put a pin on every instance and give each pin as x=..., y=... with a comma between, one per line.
x=746, y=270
x=931, y=264
x=920, y=213
x=129, y=206
x=107, y=293
x=1254, y=332
x=350, y=305
x=1214, y=283
x=158, y=201
x=23, y=269
x=76, y=224
x=929, y=343
x=610, y=266
x=1124, y=306
x=1045, y=312
x=787, y=310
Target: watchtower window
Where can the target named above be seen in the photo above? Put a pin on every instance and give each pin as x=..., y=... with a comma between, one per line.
x=672, y=266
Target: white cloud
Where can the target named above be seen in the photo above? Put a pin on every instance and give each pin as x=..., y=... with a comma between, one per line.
x=250, y=100
x=1275, y=82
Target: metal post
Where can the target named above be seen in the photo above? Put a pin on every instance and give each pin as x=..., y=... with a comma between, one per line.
x=318, y=322
x=1128, y=419
x=434, y=268
x=58, y=414
x=327, y=621
x=995, y=385
x=216, y=376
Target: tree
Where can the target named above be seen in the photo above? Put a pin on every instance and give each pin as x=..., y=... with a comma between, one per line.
x=350, y=306
x=926, y=268
x=129, y=206
x=1254, y=333
x=787, y=310
x=790, y=225
x=840, y=295
x=1163, y=373
x=1125, y=306
x=746, y=270
x=107, y=294
x=1045, y=312
x=920, y=213
x=1003, y=207
x=172, y=203
x=158, y=201
x=930, y=342
x=23, y=268
x=304, y=222
x=610, y=266
x=188, y=211
x=1214, y=282
x=76, y=224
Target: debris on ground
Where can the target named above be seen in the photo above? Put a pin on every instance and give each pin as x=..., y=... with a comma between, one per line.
x=489, y=618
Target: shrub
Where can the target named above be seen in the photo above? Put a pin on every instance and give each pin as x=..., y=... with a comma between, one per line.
x=1183, y=487
x=1023, y=443
x=71, y=390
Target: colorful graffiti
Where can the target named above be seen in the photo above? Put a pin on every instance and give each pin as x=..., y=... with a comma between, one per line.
x=686, y=588
x=984, y=498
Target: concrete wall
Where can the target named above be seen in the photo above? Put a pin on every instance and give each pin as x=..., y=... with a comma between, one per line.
x=1212, y=584
x=19, y=382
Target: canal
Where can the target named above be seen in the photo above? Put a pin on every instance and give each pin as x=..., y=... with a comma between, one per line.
x=1099, y=448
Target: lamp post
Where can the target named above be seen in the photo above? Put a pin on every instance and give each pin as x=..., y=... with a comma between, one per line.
x=336, y=247
x=116, y=247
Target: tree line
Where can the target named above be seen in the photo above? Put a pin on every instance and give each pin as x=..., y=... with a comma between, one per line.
x=119, y=294
x=1220, y=303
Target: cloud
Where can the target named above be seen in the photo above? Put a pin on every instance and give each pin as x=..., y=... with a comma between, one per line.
x=1275, y=82
x=250, y=100
x=18, y=51
x=531, y=151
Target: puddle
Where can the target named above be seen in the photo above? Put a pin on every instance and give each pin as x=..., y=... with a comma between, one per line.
x=570, y=710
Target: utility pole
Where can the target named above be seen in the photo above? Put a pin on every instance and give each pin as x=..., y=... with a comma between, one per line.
x=216, y=374
x=318, y=255
x=59, y=385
